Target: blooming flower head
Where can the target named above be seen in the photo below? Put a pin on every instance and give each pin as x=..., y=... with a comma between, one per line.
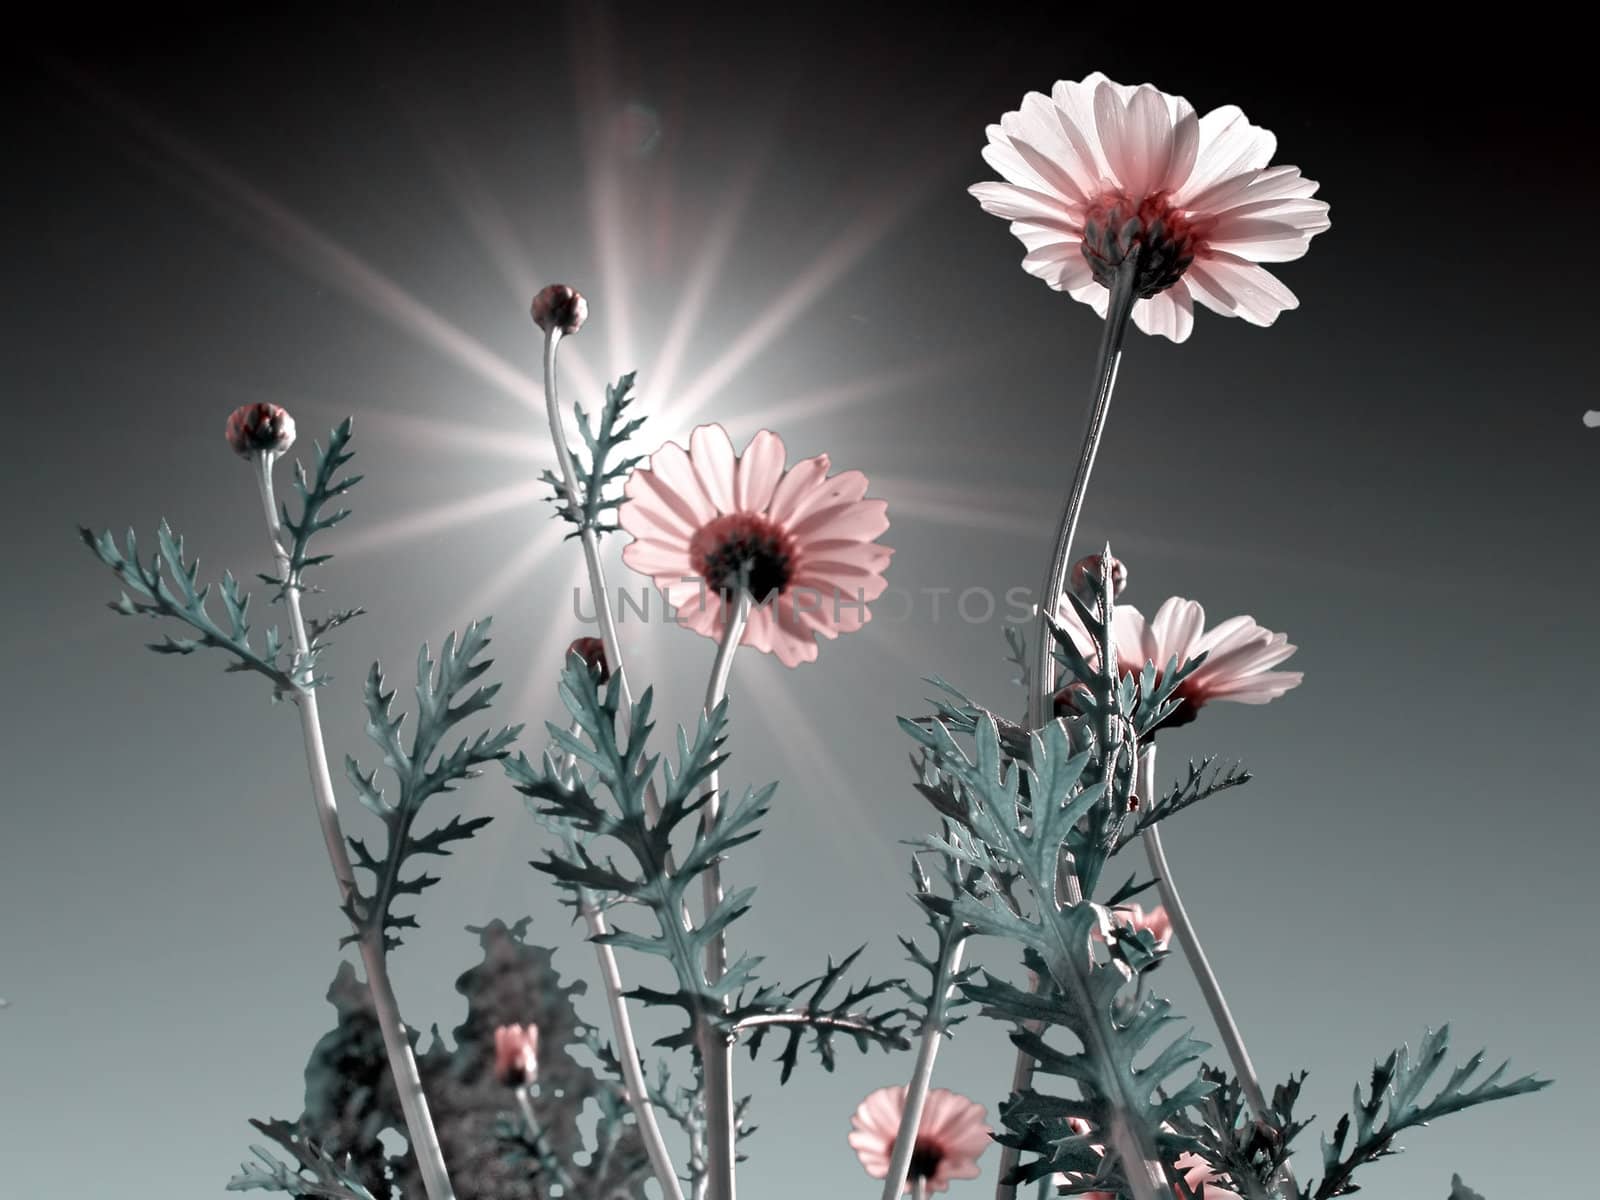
x=708, y=524
x=516, y=1054
x=259, y=429
x=1098, y=171
x=593, y=651
x=1239, y=654
x=560, y=307
x=950, y=1138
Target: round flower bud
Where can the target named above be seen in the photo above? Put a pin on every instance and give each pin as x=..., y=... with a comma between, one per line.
x=593, y=651
x=516, y=1055
x=560, y=307
x=1086, y=569
x=260, y=429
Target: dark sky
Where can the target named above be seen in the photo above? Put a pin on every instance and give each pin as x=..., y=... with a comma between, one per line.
x=768, y=214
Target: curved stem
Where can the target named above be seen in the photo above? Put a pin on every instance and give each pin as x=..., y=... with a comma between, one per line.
x=1042, y=678
x=638, y=1097
x=952, y=949
x=402, y=1063
x=586, y=535
x=716, y=1046
x=594, y=918
x=1183, y=929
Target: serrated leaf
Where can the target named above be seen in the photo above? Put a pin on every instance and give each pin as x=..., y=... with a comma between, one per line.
x=422, y=771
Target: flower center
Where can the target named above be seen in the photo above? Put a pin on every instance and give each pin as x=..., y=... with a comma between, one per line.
x=925, y=1159
x=1162, y=237
x=743, y=549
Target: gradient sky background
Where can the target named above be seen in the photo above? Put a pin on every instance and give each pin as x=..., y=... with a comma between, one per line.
x=769, y=218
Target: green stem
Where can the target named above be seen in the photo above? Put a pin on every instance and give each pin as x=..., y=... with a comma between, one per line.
x=1184, y=931
x=952, y=948
x=402, y=1063
x=1042, y=678
x=716, y=1045
x=655, y=1143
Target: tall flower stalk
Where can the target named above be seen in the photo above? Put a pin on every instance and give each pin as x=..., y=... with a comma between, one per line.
x=716, y=1045
x=952, y=952
x=1126, y=198
x=560, y=310
x=1183, y=928
x=1042, y=678
x=1235, y=661
x=402, y=1063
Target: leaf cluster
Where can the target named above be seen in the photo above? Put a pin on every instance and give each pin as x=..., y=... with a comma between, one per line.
x=169, y=588
x=650, y=877
x=314, y=1172
x=1393, y=1103
x=317, y=492
x=423, y=769
x=597, y=471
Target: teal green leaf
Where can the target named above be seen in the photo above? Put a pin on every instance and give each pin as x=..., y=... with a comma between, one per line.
x=1393, y=1103
x=598, y=470
x=1126, y=1101
x=426, y=768
x=169, y=589
x=314, y=1172
x=317, y=492
x=622, y=767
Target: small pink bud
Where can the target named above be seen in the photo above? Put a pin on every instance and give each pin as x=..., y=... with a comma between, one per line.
x=1088, y=568
x=593, y=651
x=516, y=1055
x=260, y=429
x=561, y=307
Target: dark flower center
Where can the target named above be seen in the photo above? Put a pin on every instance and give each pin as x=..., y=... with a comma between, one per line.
x=743, y=550
x=925, y=1159
x=1163, y=238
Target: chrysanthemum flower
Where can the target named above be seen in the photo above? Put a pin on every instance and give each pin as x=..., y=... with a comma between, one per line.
x=516, y=1054
x=707, y=523
x=950, y=1138
x=1098, y=170
x=1239, y=653
x=259, y=428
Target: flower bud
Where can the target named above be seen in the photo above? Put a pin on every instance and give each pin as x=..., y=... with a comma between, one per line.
x=593, y=651
x=516, y=1055
x=1086, y=569
x=259, y=429
x=560, y=307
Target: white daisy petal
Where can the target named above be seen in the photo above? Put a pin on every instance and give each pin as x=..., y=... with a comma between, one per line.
x=1195, y=190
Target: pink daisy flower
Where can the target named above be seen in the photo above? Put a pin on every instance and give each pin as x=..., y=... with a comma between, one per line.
x=1239, y=655
x=949, y=1140
x=706, y=522
x=516, y=1054
x=1098, y=170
